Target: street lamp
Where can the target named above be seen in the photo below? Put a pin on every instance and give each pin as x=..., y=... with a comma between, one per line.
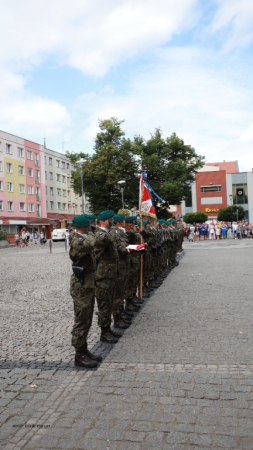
x=231, y=202
x=79, y=166
x=122, y=185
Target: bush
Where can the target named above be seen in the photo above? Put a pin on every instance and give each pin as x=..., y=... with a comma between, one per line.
x=226, y=214
x=3, y=236
x=197, y=217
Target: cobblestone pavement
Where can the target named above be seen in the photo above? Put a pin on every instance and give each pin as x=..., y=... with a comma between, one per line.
x=179, y=379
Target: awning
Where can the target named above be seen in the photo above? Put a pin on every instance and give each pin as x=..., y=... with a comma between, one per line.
x=39, y=222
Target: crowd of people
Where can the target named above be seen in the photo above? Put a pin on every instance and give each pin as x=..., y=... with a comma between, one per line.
x=24, y=238
x=215, y=230
x=106, y=263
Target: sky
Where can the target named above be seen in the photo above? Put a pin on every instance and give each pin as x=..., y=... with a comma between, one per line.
x=182, y=66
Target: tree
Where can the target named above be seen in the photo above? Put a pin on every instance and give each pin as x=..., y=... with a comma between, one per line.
x=197, y=217
x=170, y=164
x=171, y=167
x=226, y=214
x=112, y=161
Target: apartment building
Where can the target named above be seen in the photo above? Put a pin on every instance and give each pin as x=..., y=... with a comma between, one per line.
x=61, y=202
x=35, y=190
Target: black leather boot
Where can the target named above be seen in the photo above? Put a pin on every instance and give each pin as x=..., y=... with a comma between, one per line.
x=119, y=323
x=92, y=356
x=83, y=360
x=106, y=336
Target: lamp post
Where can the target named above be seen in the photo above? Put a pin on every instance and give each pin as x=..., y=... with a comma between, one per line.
x=122, y=185
x=231, y=202
x=80, y=170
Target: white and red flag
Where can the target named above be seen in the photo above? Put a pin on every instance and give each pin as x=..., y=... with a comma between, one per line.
x=146, y=207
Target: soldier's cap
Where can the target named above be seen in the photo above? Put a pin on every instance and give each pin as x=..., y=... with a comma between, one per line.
x=119, y=217
x=92, y=217
x=131, y=219
x=81, y=221
x=145, y=222
x=107, y=214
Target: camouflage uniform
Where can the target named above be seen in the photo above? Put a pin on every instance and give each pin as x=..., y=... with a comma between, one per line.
x=133, y=278
x=82, y=290
x=106, y=273
x=124, y=264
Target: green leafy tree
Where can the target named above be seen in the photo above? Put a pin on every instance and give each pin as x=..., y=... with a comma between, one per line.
x=112, y=161
x=226, y=214
x=171, y=167
x=197, y=217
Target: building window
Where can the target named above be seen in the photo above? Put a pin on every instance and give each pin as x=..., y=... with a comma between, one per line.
x=240, y=193
x=10, y=206
x=51, y=191
x=47, y=204
x=58, y=177
x=38, y=194
x=57, y=163
x=30, y=207
x=58, y=191
x=64, y=192
x=0, y=146
x=51, y=205
x=29, y=155
x=9, y=187
x=30, y=190
x=8, y=168
x=1, y=205
x=21, y=170
x=58, y=205
x=1, y=166
x=63, y=179
x=8, y=149
x=63, y=165
x=45, y=175
x=210, y=188
x=30, y=172
x=46, y=189
x=1, y=186
x=45, y=159
x=38, y=211
x=20, y=152
x=50, y=175
x=68, y=171
x=64, y=206
x=37, y=159
x=68, y=182
x=22, y=206
x=37, y=176
x=21, y=188
x=50, y=161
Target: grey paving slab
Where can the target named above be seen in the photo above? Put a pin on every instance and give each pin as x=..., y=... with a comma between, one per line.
x=180, y=377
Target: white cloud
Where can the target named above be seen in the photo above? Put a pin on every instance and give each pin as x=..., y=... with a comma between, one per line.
x=237, y=18
x=186, y=91
x=90, y=36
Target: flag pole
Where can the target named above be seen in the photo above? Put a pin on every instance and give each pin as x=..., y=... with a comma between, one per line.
x=141, y=263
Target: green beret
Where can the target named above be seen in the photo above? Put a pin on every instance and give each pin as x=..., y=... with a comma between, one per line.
x=81, y=221
x=145, y=222
x=130, y=219
x=92, y=217
x=119, y=217
x=107, y=214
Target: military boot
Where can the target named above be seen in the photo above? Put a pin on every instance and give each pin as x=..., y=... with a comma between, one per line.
x=106, y=336
x=130, y=307
x=116, y=334
x=92, y=356
x=125, y=317
x=83, y=360
x=119, y=323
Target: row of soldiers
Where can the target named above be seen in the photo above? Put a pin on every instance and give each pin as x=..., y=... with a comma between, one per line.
x=105, y=269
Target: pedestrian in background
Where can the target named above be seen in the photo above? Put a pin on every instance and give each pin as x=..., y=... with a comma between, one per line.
x=211, y=231
x=16, y=240
x=41, y=239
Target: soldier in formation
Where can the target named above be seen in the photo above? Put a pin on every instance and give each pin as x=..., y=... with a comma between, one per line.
x=105, y=269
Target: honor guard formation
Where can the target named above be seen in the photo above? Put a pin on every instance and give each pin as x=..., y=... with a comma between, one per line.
x=106, y=261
